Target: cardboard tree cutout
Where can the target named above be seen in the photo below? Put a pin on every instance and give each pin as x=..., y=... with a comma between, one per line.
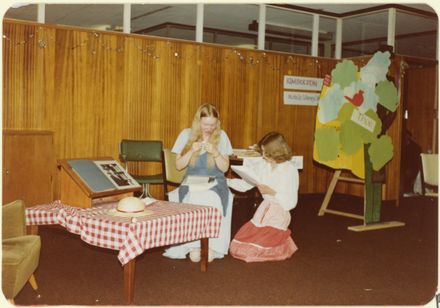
x=348, y=132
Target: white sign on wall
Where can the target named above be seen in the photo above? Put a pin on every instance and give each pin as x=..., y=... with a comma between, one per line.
x=302, y=83
x=301, y=98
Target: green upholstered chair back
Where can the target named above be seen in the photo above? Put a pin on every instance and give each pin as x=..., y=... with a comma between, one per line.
x=141, y=150
x=13, y=219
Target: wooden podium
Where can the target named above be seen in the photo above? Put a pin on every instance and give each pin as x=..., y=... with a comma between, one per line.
x=84, y=182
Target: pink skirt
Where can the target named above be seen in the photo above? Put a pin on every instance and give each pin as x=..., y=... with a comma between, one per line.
x=265, y=237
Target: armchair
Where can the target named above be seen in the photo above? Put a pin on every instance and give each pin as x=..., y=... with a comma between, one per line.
x=20, y=252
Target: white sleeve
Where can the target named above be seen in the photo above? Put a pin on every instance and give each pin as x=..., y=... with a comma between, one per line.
x=181, y=141
x=286, y=187
x=224, y=146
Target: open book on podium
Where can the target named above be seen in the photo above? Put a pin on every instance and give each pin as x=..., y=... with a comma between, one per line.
x=91, y=181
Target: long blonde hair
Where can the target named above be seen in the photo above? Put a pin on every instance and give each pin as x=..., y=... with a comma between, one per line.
x=205, y=110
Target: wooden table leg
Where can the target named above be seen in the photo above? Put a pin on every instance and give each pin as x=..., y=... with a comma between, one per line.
x=204, y=246
x=129, y=281
x=32, y=229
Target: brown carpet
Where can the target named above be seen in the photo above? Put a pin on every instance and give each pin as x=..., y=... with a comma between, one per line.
x=333, y=266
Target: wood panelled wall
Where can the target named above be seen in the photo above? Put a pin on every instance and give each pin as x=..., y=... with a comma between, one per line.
x=422, y=108
x=93, y=89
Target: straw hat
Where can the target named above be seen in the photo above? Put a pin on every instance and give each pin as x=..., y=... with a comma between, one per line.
x=130, y=207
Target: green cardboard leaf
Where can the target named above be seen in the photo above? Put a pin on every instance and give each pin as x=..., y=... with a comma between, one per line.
x=368, y=136
x=345, y=112
x=350, y=137
x=365, y=135
x=327, y=143
x=381, y=152
x=387, y=93
x=344, y=73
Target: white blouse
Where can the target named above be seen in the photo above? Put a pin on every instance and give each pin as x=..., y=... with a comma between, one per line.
x=284, y=179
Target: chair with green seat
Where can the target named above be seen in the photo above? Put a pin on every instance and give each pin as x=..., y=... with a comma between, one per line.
x=20, y=252
x=142, y=151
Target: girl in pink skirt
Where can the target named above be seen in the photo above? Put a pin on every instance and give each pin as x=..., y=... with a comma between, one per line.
x=266, y=236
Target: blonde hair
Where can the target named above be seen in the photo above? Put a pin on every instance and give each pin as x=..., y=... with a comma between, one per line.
x=205, y=110
x=275, y=147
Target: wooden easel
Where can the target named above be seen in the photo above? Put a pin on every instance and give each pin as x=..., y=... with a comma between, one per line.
x=75, y=192
x=365, y=226
x=337, y=177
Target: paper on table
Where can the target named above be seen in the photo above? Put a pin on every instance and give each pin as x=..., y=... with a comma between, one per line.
x=246, y=174
x=197, y=179
x=199, y=183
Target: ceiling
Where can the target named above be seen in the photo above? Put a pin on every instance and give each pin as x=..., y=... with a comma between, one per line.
x=237, y=17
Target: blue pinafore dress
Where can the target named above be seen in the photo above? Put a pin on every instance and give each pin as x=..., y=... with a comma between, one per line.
x=218, y=196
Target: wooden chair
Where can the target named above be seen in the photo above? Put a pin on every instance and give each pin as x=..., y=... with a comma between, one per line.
x=429, y=174
x=172, y=176
x=20, y=252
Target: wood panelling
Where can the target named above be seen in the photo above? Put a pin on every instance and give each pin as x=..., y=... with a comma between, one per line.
x=421, y=104
x=29, y=167
x=94, y=88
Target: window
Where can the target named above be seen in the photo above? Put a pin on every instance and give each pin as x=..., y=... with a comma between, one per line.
x=327, y=37
x=294, y=34
x=23, y=12
x=230, y=24
x=415, y=35
x=363, y=35
x=86, y=15
x=174, y=21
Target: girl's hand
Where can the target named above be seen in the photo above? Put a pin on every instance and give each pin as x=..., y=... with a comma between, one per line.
x=196, y=146
x=266, y=190
x=211, y=149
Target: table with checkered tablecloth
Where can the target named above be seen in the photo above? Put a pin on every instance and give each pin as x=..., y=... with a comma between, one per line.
x=169, y=223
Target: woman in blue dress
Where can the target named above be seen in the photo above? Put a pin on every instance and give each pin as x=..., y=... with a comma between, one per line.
x=204, y=150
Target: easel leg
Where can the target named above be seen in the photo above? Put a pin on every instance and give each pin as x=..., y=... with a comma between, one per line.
x=329, y=192
x=129, y=271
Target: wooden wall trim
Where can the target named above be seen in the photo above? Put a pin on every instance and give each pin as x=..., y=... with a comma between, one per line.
x=358, y=12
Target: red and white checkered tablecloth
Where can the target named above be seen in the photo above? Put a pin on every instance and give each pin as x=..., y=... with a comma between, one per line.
x=170, y=223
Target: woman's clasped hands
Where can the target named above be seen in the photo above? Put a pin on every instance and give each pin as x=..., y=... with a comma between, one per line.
x=197, y=146
x=208, y=147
